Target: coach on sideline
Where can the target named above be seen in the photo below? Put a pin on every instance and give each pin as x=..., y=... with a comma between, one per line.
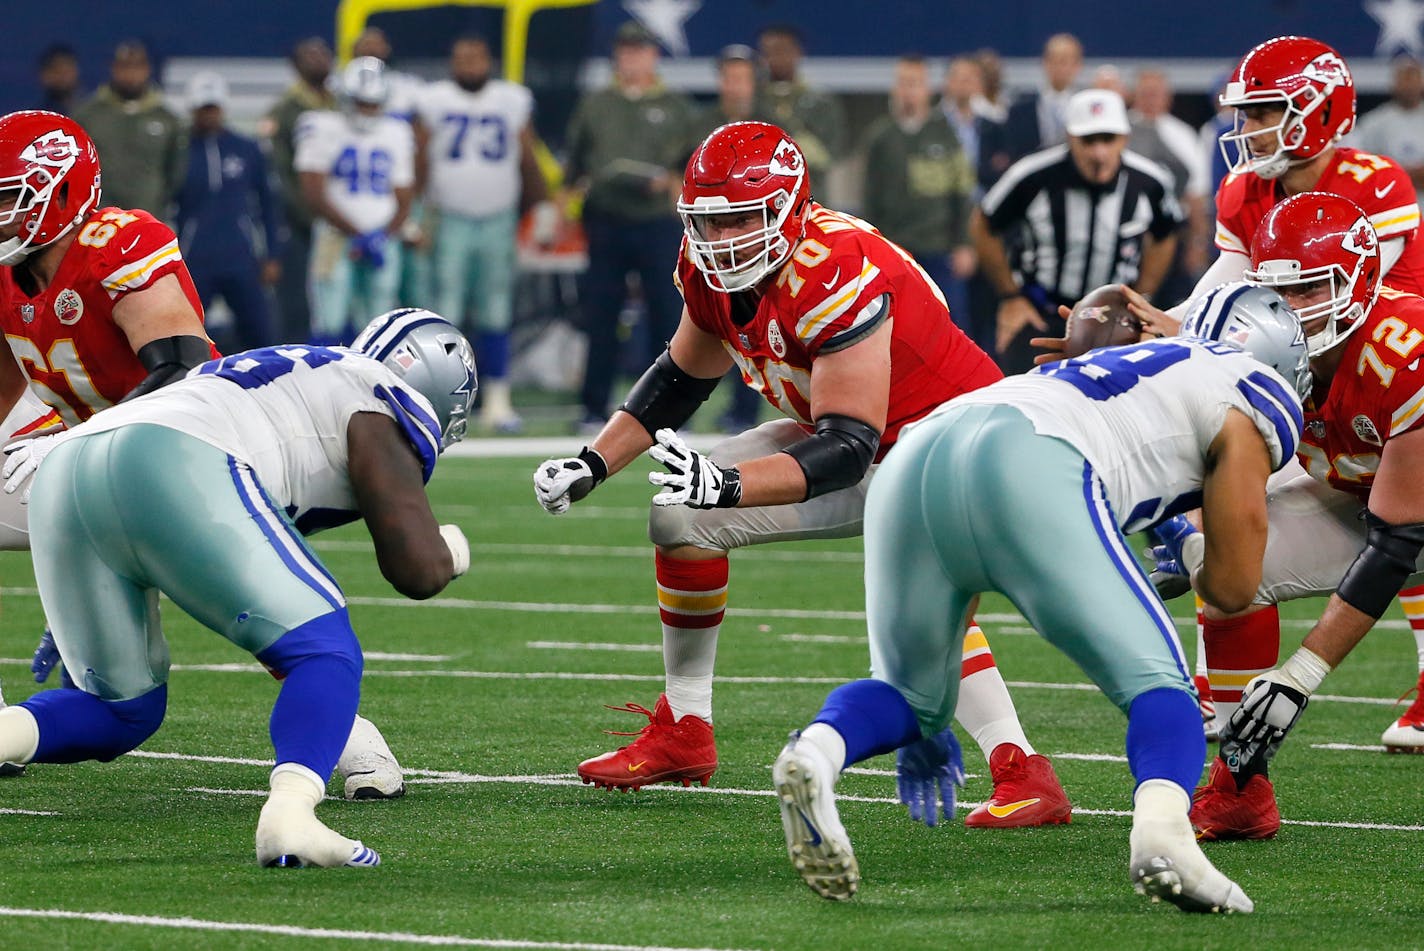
x=1065, y=220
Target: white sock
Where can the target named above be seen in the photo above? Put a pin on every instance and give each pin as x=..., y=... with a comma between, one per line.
x=296, y=780
x=986, y=710
x=497, y=403
x=689, y=656
x=827, y=739
x=19, y=735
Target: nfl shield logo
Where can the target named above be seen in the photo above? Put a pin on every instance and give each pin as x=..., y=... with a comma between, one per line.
x=27, y=313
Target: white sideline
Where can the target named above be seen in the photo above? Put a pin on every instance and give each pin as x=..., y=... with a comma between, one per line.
x=294, y=931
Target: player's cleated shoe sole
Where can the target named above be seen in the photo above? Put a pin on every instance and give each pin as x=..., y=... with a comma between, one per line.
x=1403, y=738
x=368, y=784
x=1159, y=879
x=11, y=769
x=816, y=841
x=361, y=857
x=700, y=773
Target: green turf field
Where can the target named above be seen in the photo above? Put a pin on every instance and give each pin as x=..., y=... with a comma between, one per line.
x=493, y=692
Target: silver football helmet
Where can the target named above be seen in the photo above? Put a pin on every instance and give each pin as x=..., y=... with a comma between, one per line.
x=1258, y=321
x=432, y=357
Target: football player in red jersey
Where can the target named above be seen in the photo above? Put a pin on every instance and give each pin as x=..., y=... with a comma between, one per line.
x=1295, y=99
x=1353, y=528
x=97, y=307
x=844, y=334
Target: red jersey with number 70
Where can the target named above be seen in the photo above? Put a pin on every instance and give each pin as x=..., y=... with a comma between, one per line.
x=824, y=299
x=1376, y=183
x=64, y=337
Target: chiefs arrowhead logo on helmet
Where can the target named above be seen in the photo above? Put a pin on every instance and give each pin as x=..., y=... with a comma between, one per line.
x=786, y=160
x=1327, y=68
x=1361, y=239
x=52, y=148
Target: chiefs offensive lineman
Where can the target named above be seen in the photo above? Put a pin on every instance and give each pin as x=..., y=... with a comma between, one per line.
x=97, y=307
x=844, y=334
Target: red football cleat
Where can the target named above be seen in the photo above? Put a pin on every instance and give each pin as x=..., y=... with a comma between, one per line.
x=1026, y=793
x=1221, y=811
x=1406, y=735
x=665, y=751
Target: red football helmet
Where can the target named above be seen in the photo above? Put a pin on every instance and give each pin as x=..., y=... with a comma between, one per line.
x=49, y=179
x=1317, y=236
x=1306, y=77
x=744, y=167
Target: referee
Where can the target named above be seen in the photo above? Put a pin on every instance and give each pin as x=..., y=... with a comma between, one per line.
x=1070, y=218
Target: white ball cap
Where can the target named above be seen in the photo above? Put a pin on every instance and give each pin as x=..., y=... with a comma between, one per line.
x=207, y=89
x=1094, y=111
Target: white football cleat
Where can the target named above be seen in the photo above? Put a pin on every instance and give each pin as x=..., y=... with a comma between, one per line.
x=289, y=835
x=367, y=766
x=815, y=839
x=1167, y=864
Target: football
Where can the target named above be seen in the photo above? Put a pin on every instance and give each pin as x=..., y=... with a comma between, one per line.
x=1100, y=319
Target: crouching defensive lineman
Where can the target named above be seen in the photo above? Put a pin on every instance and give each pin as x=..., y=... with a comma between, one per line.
x=204, y=491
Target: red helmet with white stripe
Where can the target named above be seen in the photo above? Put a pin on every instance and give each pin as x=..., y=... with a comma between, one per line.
x=1315, y=236
x=1310, y=81
x=744, y=167
x=49, y=179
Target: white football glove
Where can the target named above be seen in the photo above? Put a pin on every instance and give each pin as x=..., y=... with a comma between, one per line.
x=558, y=483
x=692, y=479
x=459, y=548
x=22, y=459
x=1270, y=705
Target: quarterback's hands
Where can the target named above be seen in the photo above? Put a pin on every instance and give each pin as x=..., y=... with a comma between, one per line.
x=46, y=657
x=926, y=775
x=558, y=483
x=1270, y=705
x=692, y=479
x=22, y=459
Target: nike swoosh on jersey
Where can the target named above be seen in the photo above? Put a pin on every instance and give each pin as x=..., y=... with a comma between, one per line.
x=1381, y=192
x=831, y=284
x=132, y=244
x=1008, y=809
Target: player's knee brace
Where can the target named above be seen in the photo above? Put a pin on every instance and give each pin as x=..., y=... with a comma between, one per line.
x=76, y=726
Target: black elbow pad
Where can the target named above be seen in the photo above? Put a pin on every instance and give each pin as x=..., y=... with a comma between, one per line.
x=1381, y=568
x=167, y=359
x=837, y=455
x=665, y=397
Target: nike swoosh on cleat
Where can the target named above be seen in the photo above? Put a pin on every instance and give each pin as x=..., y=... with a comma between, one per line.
x=1004, y=811
x=815, y=835
x=634, y=767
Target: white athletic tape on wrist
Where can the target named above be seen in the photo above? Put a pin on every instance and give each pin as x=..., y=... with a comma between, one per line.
x=459, y=547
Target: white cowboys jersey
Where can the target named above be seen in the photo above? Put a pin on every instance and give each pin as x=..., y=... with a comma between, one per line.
x=474, y=151
x=1143, y=415
x=363, y=163
x=284, y=411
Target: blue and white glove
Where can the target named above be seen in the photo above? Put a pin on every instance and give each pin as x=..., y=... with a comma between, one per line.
x=692, y=479
x=46, y=657
x=1171, y=574
x=558, y=483
x=370, y=247
x=22, y=459
x=927, y=772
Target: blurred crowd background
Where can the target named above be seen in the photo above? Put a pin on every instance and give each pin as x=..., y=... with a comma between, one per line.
x=907, y=114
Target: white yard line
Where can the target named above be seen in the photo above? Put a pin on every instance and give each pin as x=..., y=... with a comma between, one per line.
x=294, y=931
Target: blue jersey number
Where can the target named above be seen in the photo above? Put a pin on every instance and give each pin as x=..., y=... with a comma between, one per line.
x=259, y=367
x=491, y=135
x=1103, y=374
x=368, y=172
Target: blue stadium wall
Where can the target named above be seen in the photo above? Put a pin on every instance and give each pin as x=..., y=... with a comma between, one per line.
x=1129, y=29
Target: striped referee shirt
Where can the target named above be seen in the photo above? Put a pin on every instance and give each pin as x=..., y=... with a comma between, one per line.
x=1068, y=235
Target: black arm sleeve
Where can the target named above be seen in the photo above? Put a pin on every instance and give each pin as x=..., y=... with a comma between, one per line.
x=167, y=359
x=665, y=397
x=837, y=456
x=1382, y=567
